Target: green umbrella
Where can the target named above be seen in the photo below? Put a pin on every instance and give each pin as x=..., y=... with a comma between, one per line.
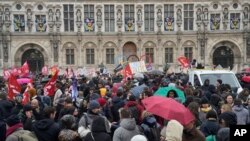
x=163, y=91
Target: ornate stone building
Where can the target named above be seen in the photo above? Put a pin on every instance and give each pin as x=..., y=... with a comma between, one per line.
x=77, y=33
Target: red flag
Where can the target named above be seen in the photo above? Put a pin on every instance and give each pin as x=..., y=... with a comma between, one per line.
x=13, y=87
x=26, y=98
x=25, y=69
x=6, y=74
x=45, y=70
x=127, y=72
x=184, y=61
x=49, y=88
x=15, y=71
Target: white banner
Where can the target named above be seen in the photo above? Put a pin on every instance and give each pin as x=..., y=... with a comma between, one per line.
x=137, y=67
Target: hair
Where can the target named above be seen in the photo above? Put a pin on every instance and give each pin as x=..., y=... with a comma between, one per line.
x=194, y=108
x=145, y=114
x=189, y=92
x=211, y=114
x=48, y=111
x=227, y=107
x=175, y=94
x=68, y=100
x=124, y=113
x=237, y=102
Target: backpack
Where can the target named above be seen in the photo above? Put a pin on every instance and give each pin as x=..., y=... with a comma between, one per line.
x=134, y=113
x=152, y=133
x=211, y=138
x=25, y=135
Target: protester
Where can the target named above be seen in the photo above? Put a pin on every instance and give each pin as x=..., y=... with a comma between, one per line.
x=173, y=131
x=211, y=125
x=241, y=112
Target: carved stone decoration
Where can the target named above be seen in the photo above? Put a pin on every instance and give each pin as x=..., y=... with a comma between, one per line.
x=139, y=17
x=205, y=14
x=198, y=14
x=29, y=17
x=58, y=15
x=225, y=14
x=99, y=17
x=7, y=14
x=179, y=16
x=78, y=15
x=245, y=17
x=5, y=51
x=1, y=14
x=159, y=18
x=119, y=17
x=55, y=48
x=50, y=15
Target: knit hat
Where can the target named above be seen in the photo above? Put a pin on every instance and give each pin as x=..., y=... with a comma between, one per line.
x=68, y=121
x=93, y=104
x=12, y=120
x=102, y=101
x=139, y=138
x=204, y=100
x=27, y=107
x=229, y=117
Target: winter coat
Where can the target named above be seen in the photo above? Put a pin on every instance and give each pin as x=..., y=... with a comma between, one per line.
x=2, y=130
x=173, y=131
x=98, y=131
x=117, y=103
x=14, y=132
x=223, y=134
x=46, y=130
x=68, y=135
x=210, y=127
x=5, y=108
x=126, y=131
x=193, y=135
x=242, y=114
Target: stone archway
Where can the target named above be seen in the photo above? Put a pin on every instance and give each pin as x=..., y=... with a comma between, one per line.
x=130, y=52
x=34, y=54
x=226, y=54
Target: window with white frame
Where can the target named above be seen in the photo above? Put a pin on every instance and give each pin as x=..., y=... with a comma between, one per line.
x=149, y=55
x=188, y=52
x=188, y=16
x=110, y=56
x=70, y=56
x=169, y=55
x=68, y=13
x=149, y=17
x=109, y=18
x=90, y=56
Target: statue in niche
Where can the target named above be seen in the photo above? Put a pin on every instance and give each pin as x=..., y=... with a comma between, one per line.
x=179, y=15
x=225, y=14
x=205, y=14
x=139, y=15
x=159, y=15
x=5, y=50
x=7, y=14
x=119, y=15
x=245, y=13
x=78, y=15
x=58, y=15
x=99, y=15
x=198, y=13
x=29, y=14
x=1, y=14
x=50, y=15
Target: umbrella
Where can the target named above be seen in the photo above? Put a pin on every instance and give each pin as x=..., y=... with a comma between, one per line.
x=138, y=75
x=246, y=79
x=168, y=108
x=24, y=80
x=163, y=91
x=156, y=72
x=136, y=91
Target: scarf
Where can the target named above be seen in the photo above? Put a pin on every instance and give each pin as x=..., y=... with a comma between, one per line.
x=13, y=128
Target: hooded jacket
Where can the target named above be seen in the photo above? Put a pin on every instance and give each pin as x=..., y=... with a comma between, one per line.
x=242, y=114
x=126, y=131
x=173, y=131
x=98, y=131
x=46, y=130
x=117, y=103
x=210, y=127
x=223, y=134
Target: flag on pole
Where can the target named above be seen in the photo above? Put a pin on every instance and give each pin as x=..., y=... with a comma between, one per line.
x=127, y=72
x=13, y=87
x=25, y=69
x=49, y=88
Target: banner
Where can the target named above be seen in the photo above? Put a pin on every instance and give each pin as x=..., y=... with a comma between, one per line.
x=49, y=88
x=13, y=87
x=137, y=67
x=184, y=61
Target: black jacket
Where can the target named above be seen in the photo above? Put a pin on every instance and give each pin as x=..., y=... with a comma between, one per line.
x=5, y=108
x=210, y=127
x=98, y=131
x=46, y=130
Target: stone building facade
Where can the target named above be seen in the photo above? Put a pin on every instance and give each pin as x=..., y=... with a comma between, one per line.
x=86, y=33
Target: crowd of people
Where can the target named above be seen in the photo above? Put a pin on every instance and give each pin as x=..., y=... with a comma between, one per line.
x=106, y=111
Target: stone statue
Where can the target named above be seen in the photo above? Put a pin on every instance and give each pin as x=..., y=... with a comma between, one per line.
x=245, y=13
x=139, y=15
x=50, y=15
x=78, y=15
x=179, y=15
x=1, y=14
x=7, y=14
x=119, y=15
x=205, y=13
x=198, y=13
x=225, y=14
x=159, y=15
x=29, y=14
x=99, y=15
x=58, y=15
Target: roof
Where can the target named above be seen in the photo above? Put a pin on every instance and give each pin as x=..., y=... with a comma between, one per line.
x=210, y=71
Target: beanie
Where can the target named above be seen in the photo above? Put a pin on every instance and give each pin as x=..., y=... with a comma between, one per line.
x=102, y=101
x=93, y=104
x=139, y=138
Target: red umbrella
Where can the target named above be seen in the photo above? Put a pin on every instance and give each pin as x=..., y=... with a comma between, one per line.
x=246, y=79
x=168, y=108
